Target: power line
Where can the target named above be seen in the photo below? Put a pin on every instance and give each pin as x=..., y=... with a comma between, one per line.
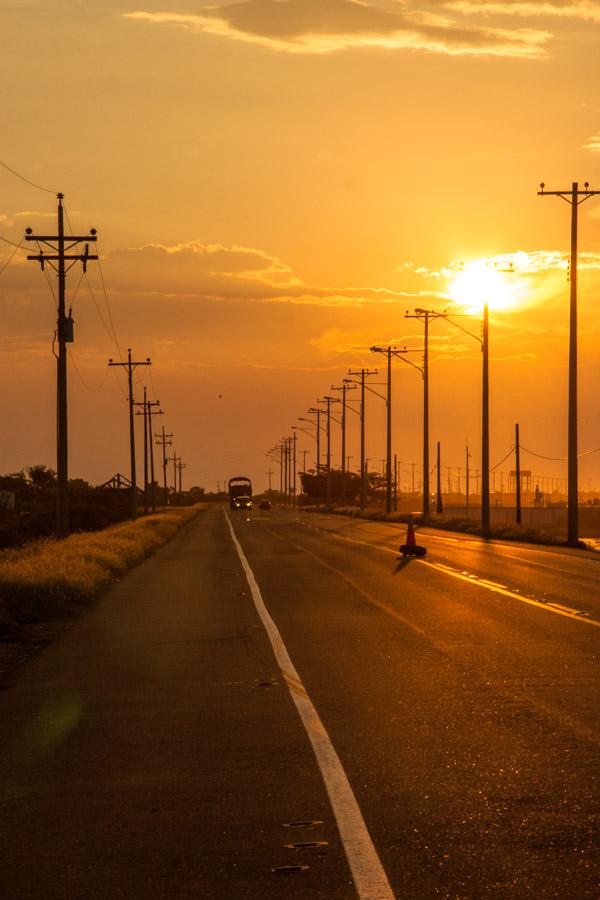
x=10, y=259
x=26, y=180
x=510, y=452
x=92, y=390
x=559, y=458
x=12, y=243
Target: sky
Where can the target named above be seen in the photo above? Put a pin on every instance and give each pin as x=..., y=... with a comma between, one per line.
x=275, y=183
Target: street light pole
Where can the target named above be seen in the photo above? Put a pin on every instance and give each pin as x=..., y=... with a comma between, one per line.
x=575, y=197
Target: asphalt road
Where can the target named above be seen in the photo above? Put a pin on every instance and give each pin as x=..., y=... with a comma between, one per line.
x=432, y=726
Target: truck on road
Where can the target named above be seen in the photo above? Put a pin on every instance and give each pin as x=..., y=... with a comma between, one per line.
x=240, y=492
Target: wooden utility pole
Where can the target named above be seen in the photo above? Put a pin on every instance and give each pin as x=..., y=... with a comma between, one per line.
x=362, y=374
x=518, y=475
x=60, y=245
x=439, y=505
x=144, y=404
x=180, y=467
x=131, y=366
x=152, y=412
x=164, y=443
x=575, y=197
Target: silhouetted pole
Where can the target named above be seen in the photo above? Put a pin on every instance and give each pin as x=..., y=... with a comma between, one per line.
x=574, y=197
x=518, y=474
x=152, y=412
x=180, y=467
x=316, y=411
x=344, y=389
x=281, y=471
x=131, y=367
x=295, y=473
x=440, y=505
x=362, y=374
x=328, y=400
x=467, y=476
x=395, y=483
x=144, y=404
x=164, y=443
x=425, y=315
x=64, y=336
x=388, y=351
x=485, y=428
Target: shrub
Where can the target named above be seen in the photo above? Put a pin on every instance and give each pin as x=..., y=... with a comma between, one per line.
x=49, y=578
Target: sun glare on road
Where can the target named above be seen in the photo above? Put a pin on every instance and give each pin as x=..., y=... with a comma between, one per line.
x=479, y=282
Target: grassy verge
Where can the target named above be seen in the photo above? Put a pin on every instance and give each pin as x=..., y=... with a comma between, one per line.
x=51, y=579
x=448, y=523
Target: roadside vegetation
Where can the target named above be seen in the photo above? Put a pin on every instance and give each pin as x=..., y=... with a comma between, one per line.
x=50, y=579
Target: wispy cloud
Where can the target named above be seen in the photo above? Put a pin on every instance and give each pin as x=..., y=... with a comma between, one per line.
x=325, y=26
x=593, y=143
x=569, y=9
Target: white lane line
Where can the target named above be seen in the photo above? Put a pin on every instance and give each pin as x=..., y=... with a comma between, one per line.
x=370, y=880
x=492, y=586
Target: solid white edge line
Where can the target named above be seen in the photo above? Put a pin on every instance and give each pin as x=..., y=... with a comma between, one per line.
x=370, y=880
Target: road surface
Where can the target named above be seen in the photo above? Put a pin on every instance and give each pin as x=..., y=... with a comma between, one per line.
x=276, y=706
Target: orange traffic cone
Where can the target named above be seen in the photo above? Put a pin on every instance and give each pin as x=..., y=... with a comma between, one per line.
x=411, y=548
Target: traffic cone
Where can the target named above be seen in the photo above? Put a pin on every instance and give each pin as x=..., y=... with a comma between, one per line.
x=411, y=548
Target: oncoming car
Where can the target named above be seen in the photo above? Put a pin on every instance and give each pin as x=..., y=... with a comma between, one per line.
x=242, y=502
x=264, y=504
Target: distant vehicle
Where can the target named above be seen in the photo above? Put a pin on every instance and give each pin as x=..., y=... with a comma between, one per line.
x=242, y=502
x=240, y=486
x=264, y=504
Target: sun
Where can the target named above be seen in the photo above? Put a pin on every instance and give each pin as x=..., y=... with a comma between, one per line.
x=478, y=282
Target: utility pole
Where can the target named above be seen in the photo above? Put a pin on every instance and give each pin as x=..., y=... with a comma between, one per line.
x=316, y=411
x=362, y=374
x=295, y=439
x=440, y=505
x=269, y=475
x=425, y=315
x=575, y=197
x=180, y=467
x=131, y=367
x=151, y=412
x=468, y=456
x=164, y=443
x=59, y=245
x=144, y=405
x=395, y=482
x=344, y=389
x=485, y=426
x=518, y=474
x=388, y=351
x=328, y=400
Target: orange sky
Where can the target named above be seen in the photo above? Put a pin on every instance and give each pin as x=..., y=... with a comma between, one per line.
x=274, y=183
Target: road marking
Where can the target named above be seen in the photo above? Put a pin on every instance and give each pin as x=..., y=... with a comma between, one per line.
x=556, y=608
x=370, y=880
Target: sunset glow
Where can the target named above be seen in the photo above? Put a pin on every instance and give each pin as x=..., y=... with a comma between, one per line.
x=479, y=282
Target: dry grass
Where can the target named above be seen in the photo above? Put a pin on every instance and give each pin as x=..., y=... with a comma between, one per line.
x=50, y=579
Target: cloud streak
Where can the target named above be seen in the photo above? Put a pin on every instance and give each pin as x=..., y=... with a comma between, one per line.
x=326, y=26
x=571, y=9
